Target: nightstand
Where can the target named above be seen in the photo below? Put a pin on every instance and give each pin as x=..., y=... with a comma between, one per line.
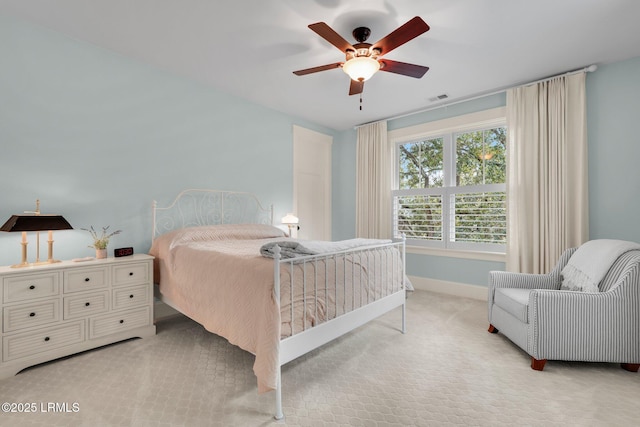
x=55, y=310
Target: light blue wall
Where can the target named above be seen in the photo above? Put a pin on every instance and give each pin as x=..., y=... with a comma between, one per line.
x=613, y=109
x=480, y=104
x=97, y=137
x=613, y=117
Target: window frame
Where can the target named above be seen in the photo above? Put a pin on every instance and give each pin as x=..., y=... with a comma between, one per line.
x=447, y=129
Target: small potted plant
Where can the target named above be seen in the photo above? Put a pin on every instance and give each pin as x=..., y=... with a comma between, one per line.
x=101, y=241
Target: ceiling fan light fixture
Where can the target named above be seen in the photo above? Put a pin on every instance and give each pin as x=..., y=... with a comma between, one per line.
x=361, y=68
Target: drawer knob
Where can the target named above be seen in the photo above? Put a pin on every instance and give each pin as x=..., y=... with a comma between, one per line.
x=121, y=321
x=86, y=279
x=87, y=304
x=32, y=287
x=130, y=296
x=131, y=273
x=32, y=314
x=47, y=338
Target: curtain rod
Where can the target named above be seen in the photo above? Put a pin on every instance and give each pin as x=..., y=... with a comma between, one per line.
x=588, y=69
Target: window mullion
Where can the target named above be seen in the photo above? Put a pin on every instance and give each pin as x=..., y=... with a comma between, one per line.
x=449, y=161
x=449, y=164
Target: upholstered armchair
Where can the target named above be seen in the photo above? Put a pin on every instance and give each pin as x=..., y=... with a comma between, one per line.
x=553, y=324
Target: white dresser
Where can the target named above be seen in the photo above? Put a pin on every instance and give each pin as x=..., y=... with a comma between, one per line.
x=55, y=310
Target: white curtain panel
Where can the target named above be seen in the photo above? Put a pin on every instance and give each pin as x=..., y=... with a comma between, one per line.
x=374, y=161
x=547, y=182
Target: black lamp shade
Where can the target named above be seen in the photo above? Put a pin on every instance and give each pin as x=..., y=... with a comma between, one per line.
x=36, y=223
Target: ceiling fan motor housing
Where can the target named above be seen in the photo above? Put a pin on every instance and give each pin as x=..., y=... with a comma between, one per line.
x=361, y=34
x=362, y=49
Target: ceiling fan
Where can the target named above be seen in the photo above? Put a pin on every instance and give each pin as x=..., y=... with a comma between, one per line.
x=363, y=60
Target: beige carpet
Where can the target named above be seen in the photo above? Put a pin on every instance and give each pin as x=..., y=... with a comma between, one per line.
x=447, y=370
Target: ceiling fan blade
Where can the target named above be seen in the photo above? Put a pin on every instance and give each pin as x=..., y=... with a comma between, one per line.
x=327, y=33
x=356, y=87
x=410, y=30
x=411, y=70
x=317, y=69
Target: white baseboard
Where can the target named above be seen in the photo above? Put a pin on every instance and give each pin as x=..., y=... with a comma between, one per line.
x=449, y=288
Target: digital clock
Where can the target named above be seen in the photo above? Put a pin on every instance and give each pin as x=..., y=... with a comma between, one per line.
x=122, y=252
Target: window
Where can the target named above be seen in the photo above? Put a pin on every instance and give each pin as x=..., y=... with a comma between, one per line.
x=450, y=187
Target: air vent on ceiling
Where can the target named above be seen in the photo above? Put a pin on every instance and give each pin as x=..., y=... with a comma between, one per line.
x=439, y=97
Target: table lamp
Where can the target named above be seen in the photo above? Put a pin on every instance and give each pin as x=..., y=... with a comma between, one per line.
x=291, y=221
x=35, y=221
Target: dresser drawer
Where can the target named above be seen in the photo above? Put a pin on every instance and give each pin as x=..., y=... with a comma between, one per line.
x=130, y=274
x=32, y=314
x=30, y=286
x=42, y=340
x=117, y=322
x=85, y=279
x=131, y=296
x=85, y=304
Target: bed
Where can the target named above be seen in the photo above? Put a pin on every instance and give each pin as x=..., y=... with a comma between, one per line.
x=221, y=262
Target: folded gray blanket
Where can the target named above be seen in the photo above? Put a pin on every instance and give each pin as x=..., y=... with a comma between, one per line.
x=288, y=249
x=297, y=248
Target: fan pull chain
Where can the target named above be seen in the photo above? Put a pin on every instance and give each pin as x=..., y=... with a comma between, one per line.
x=360, y=101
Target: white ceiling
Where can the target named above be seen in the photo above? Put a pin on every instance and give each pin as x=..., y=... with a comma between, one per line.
x=250, y=48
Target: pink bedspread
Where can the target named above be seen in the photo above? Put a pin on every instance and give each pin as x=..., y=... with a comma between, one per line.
x=219, y=279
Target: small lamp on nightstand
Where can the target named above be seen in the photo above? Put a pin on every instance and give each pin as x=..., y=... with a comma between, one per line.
x=291, y=221
x=35, y=221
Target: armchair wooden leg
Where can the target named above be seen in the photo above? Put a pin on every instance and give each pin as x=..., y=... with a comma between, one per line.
x=537, y=365
x=631, y=367
x=492, y=329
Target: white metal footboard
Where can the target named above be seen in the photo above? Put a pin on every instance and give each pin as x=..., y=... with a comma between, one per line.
x=321, y=306
x=326, y=296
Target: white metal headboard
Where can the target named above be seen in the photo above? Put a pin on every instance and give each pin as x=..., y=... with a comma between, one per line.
x=196, y=207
